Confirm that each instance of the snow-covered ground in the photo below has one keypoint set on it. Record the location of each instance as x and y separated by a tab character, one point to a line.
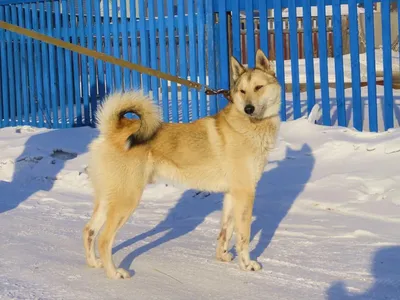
326	223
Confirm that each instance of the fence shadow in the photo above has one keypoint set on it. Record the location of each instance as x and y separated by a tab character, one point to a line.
386	272
35	172
277	190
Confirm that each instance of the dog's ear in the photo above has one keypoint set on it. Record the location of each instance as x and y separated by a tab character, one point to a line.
263	63
237	68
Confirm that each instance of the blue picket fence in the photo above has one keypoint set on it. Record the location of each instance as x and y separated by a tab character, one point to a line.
46	86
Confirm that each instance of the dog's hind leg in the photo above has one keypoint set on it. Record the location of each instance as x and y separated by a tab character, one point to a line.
90	232
243	201
119	209
227	225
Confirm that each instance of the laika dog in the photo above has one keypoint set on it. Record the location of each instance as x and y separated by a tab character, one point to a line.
225	153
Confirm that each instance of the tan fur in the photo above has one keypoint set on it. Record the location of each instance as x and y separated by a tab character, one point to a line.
222	153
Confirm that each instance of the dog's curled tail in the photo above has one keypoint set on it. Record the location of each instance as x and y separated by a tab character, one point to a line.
111	117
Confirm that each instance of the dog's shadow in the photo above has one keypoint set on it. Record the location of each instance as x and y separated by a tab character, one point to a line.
276	192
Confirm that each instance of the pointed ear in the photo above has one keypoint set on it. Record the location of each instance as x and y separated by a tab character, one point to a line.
263	63
237	68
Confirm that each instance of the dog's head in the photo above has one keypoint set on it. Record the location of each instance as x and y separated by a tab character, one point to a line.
256	92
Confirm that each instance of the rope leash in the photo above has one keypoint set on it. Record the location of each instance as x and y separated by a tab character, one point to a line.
111	59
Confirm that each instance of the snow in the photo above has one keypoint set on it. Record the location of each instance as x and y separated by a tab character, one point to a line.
325	223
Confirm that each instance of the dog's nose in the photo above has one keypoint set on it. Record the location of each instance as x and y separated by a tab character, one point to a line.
249	109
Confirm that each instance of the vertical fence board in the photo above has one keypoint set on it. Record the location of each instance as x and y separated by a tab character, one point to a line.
4	73
24	67
92	66
371	69
263	26
75	61
125	50
172	61
211	70
134	44
144	57
202	60
163	61
280	66
387	64
45	60
107	34
355	65
17	65
116	44
250	33
99	48
309	55
193	58
223	52
68	64
294	56
339	72
153	49
10	69
31	71
182	59
53	71
323	60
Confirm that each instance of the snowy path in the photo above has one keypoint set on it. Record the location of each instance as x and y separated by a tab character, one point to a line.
326	224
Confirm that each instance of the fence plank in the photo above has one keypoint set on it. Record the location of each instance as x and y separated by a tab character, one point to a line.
309	54
339	72
193	58
134	45
280	66
4	73
251	57
163	61
387	65
45	60
153	49
68	65
182	26
53	62
294	56
355	65
264	26
236	30
10	69
125	50
371	69
24	67
172	61
107	34
92	67
144	58
323	60
223	53
211	54
75	60
116	43
84	64
31	71
99	48
17	65
201	51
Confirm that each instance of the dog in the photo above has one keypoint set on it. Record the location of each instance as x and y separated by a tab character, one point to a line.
224	153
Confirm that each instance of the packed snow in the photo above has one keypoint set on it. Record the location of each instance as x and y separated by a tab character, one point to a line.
326	223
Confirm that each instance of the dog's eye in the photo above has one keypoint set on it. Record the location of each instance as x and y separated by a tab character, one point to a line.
243	91
258	87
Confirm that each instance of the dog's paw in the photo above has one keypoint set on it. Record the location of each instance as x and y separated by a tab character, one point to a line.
97	263
251	266
225	256
119	274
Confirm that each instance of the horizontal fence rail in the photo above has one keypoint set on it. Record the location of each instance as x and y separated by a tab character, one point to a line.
323	51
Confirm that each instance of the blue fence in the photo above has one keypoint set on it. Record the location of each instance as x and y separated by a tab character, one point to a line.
45	86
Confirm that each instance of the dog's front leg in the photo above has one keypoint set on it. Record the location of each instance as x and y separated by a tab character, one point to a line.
227	225
243	201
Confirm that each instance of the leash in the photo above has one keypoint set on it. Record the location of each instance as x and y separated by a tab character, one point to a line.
111	59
